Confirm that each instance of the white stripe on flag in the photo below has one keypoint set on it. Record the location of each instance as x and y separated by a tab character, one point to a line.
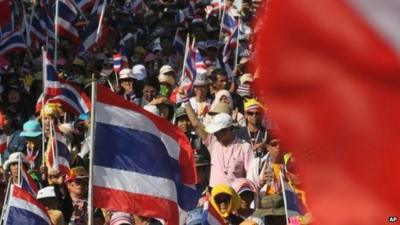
143	184
126	118
25	205
383	16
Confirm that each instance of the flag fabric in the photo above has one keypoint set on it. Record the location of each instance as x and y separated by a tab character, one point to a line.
46	21
58	156
13	42
68	15
23	208
334	88
8	28
146	149
228	22
5	16
84	4
3	141
210	214
189	71
27	183
293	204
230	45
117	59
201	66
73	99
179	43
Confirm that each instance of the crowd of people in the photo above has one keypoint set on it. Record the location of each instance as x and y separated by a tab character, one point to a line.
238	155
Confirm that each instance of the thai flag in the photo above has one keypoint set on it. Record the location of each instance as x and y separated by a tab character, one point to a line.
13	42
7	29
23	208
124	51
88	35
210	214
137	5
228	22
3	141
135	145
27	183
67	16
179	43
51	82
84	4
201	67
46	21
230	45
293	204
117	58
189	72
215	7
58	156
37	31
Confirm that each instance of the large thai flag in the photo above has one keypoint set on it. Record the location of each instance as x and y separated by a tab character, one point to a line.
65	22
23	208
230	45
27	183
142	163
13	42
336	65
210	214
58	156
3	141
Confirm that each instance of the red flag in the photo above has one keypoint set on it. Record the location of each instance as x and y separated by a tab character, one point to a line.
5	15
331	77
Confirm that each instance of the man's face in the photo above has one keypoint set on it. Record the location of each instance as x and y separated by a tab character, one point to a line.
246	198
221	82
200	91
78	186
222	135
127	85
14	169
254	116
184	124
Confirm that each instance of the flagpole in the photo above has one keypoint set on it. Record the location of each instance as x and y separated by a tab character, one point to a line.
91	152
184	59
44	74
222	21
284	197
237	45
4	211
56	34
103	9
19	171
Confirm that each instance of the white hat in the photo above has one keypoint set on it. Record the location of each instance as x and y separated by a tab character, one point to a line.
13	158
219	122
201	79
153	109
125	74
162	78
247	77
166	68
139	72
47	192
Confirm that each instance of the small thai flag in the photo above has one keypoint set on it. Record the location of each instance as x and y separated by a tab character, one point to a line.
117	58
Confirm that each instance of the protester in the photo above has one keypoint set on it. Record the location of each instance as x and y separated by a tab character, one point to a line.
226	201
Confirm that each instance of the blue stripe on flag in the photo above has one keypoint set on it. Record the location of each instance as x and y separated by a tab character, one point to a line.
19	216
133	150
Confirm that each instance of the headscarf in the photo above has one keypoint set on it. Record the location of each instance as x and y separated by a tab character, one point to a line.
218	96
234	203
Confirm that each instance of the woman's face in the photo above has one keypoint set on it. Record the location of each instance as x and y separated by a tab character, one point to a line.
14	96
127	85
149	93
246	198
200	91
223	201
183	124
224	99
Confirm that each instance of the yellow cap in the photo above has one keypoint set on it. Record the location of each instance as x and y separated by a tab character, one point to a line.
51	109
252	104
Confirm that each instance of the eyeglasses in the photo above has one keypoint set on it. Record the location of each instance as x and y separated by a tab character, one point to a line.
219	199
254	113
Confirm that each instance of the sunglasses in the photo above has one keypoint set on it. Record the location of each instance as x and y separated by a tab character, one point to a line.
219	199
254	113
274	143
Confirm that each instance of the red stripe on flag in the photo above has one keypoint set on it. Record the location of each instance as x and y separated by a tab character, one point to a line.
138	204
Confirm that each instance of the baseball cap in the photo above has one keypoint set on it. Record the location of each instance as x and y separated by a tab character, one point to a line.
219	122
47	192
